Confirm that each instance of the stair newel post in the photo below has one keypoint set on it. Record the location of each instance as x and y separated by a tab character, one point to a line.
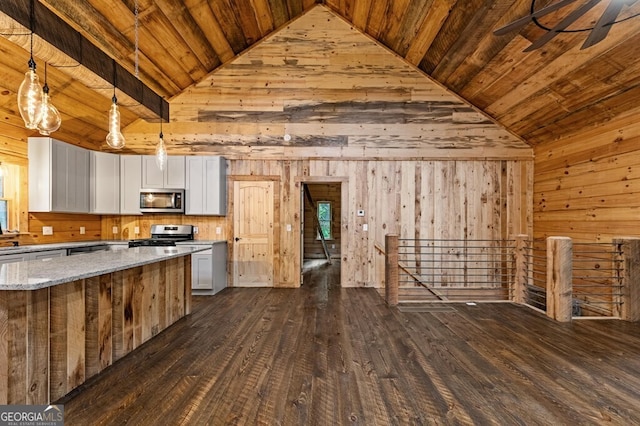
559	278
391	269
626	300
521	276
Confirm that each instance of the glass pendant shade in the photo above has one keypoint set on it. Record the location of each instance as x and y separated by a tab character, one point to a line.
115	139
30	97
50	120
161	153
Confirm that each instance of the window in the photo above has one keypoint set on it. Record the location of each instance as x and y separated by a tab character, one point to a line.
4	203
324	218
11	202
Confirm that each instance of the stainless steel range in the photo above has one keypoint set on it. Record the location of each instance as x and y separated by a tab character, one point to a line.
165	235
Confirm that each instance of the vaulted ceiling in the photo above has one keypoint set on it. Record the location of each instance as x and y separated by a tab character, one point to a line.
540	95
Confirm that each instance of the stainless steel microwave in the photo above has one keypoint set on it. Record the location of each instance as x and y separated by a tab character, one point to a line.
162	200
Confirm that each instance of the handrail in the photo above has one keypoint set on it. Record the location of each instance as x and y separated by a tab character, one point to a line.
404	267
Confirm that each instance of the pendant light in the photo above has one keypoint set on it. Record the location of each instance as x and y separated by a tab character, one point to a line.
50	120
30	92
115	139
161	150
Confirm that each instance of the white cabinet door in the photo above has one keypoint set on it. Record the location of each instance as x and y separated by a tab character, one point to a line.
219	257
194	192
104	183
202	270
206	189
58	177
173	176
130	184
152	176
79	179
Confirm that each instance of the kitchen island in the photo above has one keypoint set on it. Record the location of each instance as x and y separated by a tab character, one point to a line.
66	319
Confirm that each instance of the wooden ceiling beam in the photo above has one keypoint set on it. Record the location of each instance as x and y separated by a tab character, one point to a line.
63	39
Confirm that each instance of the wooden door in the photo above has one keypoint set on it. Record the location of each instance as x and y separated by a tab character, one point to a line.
253	233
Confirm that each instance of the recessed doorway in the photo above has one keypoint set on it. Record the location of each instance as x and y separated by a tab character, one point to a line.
321	212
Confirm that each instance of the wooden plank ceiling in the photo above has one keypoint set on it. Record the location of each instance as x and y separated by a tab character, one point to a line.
540	95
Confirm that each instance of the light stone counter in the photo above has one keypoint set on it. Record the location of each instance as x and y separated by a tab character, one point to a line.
32	248
38	274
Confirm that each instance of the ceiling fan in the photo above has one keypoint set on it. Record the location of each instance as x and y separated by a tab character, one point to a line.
597	33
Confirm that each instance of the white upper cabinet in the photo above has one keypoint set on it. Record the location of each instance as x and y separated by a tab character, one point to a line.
206	189
130	183
58	176
173	176
104	184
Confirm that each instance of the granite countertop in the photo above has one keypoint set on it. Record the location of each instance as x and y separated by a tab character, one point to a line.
32	248
37	274
200	242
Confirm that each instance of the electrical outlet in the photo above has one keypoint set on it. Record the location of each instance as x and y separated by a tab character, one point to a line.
288	227
136	230
218	230
82	230
47	230
195	229
365	227
114	230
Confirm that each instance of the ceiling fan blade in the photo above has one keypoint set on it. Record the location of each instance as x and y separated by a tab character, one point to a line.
602	27
562	25
519	23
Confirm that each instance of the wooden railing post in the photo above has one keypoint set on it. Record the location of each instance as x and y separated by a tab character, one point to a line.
391	270
521	276
627	302
559	277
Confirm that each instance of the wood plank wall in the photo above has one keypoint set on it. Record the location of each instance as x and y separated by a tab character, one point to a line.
416	199
587	186
319	88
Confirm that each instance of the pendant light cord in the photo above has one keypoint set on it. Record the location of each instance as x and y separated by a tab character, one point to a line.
114	99
136	55
161	119
32	24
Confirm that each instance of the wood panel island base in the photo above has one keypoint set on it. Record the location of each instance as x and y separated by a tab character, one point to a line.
55	334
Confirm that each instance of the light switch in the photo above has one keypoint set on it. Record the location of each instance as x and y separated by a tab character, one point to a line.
114	230
82	230
218	230
365	227
136	230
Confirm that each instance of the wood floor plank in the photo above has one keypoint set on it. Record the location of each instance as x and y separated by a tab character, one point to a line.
326	355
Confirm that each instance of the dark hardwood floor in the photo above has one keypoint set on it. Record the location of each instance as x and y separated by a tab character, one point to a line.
322	355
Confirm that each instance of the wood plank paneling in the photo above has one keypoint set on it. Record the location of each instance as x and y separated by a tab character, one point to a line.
455	199
326	86
53	339
588	184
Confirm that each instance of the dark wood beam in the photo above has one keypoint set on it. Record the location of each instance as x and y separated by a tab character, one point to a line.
61	36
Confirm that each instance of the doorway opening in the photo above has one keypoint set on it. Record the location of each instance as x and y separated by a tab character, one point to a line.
321	236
